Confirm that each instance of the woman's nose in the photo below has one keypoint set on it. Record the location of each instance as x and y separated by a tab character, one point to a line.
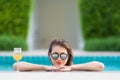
59	58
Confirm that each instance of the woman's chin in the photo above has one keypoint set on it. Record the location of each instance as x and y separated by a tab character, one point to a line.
59	65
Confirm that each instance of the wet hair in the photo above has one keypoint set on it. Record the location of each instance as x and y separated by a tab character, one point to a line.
64	44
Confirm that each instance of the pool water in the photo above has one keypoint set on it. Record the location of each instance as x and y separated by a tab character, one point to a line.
111	63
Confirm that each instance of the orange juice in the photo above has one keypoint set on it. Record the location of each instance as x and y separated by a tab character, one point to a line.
17	57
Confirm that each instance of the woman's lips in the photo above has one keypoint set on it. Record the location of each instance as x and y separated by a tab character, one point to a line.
58	63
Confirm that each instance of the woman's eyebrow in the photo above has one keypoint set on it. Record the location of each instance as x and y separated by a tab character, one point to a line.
63	52
55	52
60	52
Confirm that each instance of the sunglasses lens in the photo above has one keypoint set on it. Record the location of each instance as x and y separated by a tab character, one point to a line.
55	56
64	56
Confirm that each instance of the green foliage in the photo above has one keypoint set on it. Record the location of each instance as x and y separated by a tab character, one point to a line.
14	21
103	44
8	43
14	17
100	18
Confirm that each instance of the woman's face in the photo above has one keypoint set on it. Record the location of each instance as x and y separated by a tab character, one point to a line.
61	60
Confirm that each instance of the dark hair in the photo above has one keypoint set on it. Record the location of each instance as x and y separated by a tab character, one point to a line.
66	45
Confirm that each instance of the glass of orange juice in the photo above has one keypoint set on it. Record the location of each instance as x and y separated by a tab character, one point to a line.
17	55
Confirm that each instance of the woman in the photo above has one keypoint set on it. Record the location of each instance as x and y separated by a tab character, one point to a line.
61	55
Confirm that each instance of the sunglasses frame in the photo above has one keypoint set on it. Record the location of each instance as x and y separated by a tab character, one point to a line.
59	55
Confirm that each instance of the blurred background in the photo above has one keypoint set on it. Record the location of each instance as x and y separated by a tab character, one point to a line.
89	25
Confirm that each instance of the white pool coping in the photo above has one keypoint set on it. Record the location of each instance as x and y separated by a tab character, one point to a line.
81	75
75	53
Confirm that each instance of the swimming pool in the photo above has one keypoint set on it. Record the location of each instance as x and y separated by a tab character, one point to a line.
111	62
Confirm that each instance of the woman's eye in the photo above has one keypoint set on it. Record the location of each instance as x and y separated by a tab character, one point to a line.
63	56
54	55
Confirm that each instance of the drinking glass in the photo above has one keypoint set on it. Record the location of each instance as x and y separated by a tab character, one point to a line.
17	55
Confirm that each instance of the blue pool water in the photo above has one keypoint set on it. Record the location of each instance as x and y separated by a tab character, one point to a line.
112	63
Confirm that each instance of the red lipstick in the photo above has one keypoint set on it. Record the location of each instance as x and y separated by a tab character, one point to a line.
58	63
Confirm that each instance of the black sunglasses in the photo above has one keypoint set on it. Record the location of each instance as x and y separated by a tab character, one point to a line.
56	55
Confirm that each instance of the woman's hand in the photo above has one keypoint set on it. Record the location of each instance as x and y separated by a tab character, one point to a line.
52	68
65	69
58	69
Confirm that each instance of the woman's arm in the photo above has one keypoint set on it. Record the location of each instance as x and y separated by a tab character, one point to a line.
25	66
90	66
